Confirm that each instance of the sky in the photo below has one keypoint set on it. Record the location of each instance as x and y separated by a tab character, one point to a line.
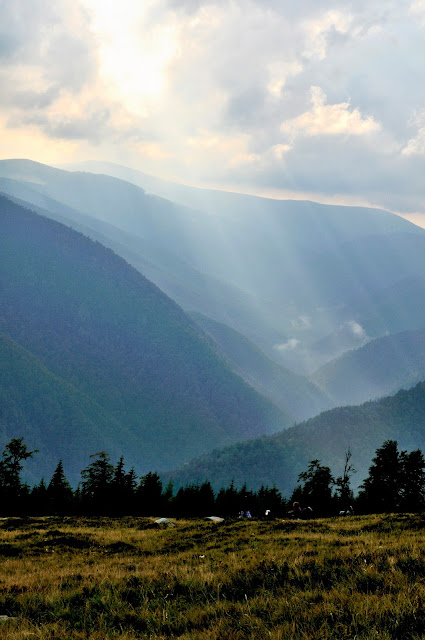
314	99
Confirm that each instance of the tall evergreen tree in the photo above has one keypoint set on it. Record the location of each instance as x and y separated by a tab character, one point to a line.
96	483
59	491
315	489
412	489
149	494
123	489
228	501
380	491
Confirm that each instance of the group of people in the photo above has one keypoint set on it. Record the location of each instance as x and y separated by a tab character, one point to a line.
300	513
297	512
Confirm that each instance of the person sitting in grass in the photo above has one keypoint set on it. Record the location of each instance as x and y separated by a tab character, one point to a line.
296	510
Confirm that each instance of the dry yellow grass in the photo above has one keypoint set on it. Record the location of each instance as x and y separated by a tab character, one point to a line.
359	578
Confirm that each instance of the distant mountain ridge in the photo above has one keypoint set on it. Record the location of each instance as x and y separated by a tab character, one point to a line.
296	269
379	368
88	319
278	459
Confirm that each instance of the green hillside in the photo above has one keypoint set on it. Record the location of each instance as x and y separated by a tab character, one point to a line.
96	323
278	459
57	418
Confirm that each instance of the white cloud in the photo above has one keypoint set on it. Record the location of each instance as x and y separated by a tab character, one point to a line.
329	119
322	98
417	9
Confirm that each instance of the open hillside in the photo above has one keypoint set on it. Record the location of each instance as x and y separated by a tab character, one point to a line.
91	324
278	459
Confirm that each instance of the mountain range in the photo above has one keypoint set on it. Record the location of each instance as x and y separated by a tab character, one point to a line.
278	459
163	321
88	340
286	274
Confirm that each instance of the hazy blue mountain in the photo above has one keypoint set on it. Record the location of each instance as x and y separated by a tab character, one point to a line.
298	268
302	218
394	308
278	459
187	286
94	322
377	369
286	389
164	241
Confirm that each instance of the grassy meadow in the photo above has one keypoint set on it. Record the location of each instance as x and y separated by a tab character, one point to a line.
358	577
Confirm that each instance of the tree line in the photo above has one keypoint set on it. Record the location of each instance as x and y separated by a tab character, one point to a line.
396	482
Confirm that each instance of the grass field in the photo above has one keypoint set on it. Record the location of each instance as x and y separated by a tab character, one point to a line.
357	578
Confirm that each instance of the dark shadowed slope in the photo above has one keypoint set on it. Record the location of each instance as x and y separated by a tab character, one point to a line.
99	325
53	416
278	459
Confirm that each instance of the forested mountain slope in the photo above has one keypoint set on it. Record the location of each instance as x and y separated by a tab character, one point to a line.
94	322
278	459
300	270
377	369
53	415
285	388
166	242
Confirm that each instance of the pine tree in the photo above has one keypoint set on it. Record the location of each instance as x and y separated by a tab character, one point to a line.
228	501
344	494
412	481
59	492
380	491
149	494
96	484
123	489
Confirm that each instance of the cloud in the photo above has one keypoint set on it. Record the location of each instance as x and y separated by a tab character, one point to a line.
325	99
356	330
329	119
291	345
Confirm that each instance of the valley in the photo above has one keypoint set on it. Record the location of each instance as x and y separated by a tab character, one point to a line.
167	324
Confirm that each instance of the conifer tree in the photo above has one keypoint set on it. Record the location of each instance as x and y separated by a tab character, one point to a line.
96	483
380	491
149	494
412	489
59	491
